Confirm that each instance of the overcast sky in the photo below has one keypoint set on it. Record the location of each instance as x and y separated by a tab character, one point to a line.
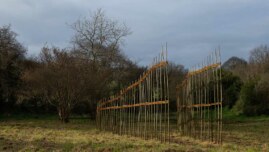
191	28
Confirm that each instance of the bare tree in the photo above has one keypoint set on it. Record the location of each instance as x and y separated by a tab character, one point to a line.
259	60
99	37
259	55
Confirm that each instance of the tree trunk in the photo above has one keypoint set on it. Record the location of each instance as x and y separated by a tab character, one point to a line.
64	113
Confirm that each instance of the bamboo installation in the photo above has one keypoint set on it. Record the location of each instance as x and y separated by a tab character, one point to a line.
142	108
199	102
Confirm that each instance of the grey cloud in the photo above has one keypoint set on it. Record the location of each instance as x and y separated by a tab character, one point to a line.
192	28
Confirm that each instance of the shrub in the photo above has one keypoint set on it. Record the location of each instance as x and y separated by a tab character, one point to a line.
231	88
254	97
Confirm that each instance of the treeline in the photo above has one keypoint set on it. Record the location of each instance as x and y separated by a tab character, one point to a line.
70	80
246	83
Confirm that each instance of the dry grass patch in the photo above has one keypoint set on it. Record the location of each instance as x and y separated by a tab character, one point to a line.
82	135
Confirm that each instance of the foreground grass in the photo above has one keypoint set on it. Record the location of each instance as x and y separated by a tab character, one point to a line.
48	134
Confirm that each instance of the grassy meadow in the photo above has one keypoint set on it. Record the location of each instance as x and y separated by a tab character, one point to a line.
46	133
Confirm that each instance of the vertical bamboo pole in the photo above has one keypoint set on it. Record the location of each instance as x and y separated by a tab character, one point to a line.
132	109
119	113
208	99
160	106
133	94
167	87
217	98
193	101
163	98
221	98
148	107
154	99
203	100
123	113
139	109
214	99
151	107
144	112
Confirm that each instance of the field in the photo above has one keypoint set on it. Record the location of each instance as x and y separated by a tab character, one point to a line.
48	134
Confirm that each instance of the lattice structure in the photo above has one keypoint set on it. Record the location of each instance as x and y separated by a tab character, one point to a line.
141	109
199	102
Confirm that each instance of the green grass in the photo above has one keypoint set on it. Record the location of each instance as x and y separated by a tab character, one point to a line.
46	133
231	116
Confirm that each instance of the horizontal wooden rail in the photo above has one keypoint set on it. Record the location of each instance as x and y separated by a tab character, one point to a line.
136	105
184	82
212	66
200	105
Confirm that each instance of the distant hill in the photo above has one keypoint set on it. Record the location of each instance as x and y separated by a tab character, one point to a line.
233	62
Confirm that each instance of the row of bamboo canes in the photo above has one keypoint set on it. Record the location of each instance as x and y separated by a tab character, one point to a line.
199	101
142	108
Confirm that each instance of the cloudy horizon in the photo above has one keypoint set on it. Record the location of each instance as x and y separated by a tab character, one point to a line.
191	28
